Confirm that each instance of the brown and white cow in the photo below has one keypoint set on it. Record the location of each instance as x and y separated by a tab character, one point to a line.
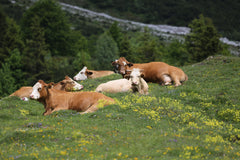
156	72
91	74
135	83
66	85
55	100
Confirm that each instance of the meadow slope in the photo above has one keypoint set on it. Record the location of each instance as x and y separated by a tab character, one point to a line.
198	120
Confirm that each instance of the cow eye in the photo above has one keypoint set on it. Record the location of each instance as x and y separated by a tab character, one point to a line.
81	72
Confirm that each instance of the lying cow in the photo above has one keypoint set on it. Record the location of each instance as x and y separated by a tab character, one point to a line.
66	85
135	83
156	72
55	100
91	74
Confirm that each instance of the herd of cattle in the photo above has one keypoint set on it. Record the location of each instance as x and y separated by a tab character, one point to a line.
58	96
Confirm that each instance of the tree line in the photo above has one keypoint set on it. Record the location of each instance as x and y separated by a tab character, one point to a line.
45	45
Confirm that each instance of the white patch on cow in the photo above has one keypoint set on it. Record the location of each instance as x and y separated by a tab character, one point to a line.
24	99
124	63
76	86
35	93
81	75
167	80
135	76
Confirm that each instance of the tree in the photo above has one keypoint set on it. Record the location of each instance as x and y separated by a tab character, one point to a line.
54	24
10	38
11	74
125	47
203	39
82	59
106	51
116	34
35	52
6	76
146	48
3	30
15	64
177	54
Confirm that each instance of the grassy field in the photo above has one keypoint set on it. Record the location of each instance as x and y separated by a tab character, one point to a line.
199	120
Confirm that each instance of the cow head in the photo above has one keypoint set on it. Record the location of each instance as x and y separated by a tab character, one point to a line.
122	65
135	76
68	84
40	90
115	66
82	75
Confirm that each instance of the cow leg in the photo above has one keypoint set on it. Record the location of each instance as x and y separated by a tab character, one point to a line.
91	109
165	79
47	111
176	80
50	110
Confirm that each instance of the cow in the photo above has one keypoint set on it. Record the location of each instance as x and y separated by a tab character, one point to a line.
91	74
135	83
55	100
67	85
156	72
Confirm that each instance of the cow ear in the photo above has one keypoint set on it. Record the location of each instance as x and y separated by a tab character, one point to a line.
67	77
50	85
89	72
130	64
127	76
62	82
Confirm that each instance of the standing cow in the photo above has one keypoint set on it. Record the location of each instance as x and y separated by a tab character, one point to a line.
156	72
55	100
91	74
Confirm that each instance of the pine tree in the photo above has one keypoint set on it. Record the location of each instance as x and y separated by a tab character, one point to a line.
203	39
55	25
15	64
116	34
7	81
35	52
125	47
106	52
10	38
146	49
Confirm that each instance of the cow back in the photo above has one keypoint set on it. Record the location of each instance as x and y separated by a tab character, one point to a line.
151	71
98	74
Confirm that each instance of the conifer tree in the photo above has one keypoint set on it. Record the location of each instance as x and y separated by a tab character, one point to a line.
203	39
55	25
35	52
10	38
6	76
11	73
146	49
106	52
116	34
125	47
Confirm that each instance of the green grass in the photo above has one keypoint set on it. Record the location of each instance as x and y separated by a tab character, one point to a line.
199	120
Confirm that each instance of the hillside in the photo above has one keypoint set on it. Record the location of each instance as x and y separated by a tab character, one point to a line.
83	17
198	120
225	15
